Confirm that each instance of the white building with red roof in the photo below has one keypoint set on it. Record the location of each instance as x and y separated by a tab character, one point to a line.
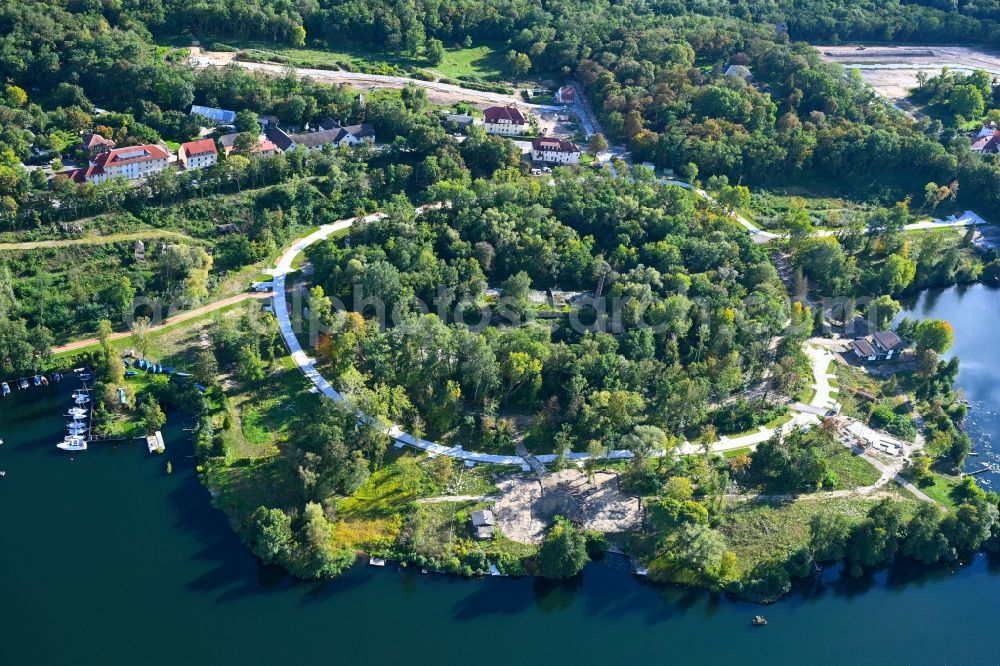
566	95
263	148
505	120
987	144
987	130
131	163
556	151
198	154
94	143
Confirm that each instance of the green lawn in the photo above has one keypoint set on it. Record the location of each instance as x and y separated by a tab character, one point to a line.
758	531
142	234
768	207
482	62
778	421
477	62
168	344
239	489
852	471
940	490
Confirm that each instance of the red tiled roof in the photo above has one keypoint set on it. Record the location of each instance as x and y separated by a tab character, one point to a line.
495	114
554	145
201	147
91	140
988	144
115	157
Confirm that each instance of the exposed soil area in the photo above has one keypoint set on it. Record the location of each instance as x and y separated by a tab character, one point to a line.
523	512
892	70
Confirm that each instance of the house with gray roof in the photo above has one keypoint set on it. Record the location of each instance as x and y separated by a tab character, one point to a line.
880	346
483	524
331	133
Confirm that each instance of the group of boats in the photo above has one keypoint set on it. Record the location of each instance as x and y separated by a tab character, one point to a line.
77	427
148	366
26	383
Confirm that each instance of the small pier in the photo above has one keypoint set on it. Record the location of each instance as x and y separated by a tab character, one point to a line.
155	443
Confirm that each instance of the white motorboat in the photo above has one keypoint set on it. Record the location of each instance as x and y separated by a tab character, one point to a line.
82	399
5	387
73	443
77	412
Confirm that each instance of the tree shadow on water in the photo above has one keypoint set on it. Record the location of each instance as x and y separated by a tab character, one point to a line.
319	591
602	592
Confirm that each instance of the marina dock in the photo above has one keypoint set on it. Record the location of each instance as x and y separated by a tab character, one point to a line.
26	383
155	443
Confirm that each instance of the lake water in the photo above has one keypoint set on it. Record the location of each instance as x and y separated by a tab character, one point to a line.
104	559
974	312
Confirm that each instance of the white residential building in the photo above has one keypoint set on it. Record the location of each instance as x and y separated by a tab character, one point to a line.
505	120
554	151
330	134
131	163
198	154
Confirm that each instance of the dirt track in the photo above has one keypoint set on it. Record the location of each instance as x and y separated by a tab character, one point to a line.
170	321
892	70
438	93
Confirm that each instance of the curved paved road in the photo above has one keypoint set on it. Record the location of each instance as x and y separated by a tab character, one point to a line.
820	360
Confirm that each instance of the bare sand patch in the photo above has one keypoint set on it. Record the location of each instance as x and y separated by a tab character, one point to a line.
892	70
523	512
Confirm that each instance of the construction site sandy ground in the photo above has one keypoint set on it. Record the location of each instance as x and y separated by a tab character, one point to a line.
436	93
523	513
892	70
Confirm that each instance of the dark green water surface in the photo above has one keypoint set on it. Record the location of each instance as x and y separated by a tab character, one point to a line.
104	559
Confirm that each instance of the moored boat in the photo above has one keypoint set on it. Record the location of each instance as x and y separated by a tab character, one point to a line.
5	387
23	384
73	443
759	621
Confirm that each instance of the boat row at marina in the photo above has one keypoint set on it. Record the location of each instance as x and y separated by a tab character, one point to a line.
79	424
25	383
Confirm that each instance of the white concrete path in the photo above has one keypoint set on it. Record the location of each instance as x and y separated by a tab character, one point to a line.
820	358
